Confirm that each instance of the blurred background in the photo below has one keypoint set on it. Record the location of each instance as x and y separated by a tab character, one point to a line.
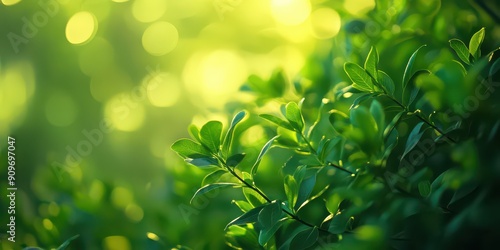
96	91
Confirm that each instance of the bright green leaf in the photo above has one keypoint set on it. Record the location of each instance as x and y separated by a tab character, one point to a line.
372	62
244	206
203	162
278	121
475	43
294	116
361	80
209	187
210	135
393	123
291	190
459	47
235	159
409	67
194	132
265	148
229	135
189	149
378	114
248	217
213	177
386	81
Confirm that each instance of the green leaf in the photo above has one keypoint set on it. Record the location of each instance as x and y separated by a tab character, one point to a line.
189	149
248	217
495	67
461	50
305	190
360	99
475	43
209	187
413	139
393	123
409	67
244	206
305	239
386	81
229	135
338	223
361	80
269	219
194	132
265	148
411	92
424	188
294	116
372	62
210	135
213	177
278	121
462	192
66	243
253	197
291	190
204	162
235	159
378	114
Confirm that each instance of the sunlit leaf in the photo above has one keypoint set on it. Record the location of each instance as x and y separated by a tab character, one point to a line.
294	116
248	217
189	149
263	151
194	132
203	162
278	121
409	67
475	43
461	50
209	187
291	190
361	80
235	159
386	81
213	177
244	206
229	135
210	135
372	62
360	99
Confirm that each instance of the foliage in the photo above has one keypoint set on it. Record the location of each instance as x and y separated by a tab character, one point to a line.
351	177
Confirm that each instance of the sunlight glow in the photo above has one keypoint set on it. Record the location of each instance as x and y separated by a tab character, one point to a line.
359	7
116	242
10	2
81	27
124	112
325	23
290	12
160	38
148	10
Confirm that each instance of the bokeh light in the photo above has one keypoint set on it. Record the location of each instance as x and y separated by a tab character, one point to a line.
148	10
125	112
116	242
81	27
325	23
10	2
163	90
160	38
290	12
359	7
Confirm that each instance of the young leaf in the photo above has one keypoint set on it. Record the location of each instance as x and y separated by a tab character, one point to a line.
203	162
361	80
291	190
475	43
461	50
386	81
294	116
248	217
305	239
189	149
265	148
413	139
372	62
278	121
194	132
229	135
213	177
409	67
210	135
235	159
209	187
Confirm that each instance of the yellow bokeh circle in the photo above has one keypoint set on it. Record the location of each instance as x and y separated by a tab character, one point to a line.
81	27
290	12
325	23
160	38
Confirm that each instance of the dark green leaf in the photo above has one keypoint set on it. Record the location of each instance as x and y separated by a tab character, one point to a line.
291	190
253	197
266	233
372	62
378	114
409	67
270	214
391	142
495	67
386	81
204	162
461	50
413	138
235	159
361	80
411	91
278	121
210	135
424	188
189	149
265	148
462	192
305	239
475	43
360	99
248	217
294	116
213	177
338	223
66	243
209	187
229	135
306	187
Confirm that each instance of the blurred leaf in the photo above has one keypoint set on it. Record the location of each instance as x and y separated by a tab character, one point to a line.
248	217
194	132
475	43
393	123
204	162
189	149
278	121
409	67
372	62
411	91
461	50
253	197
462	192
495	67
339	120
294	116
424	188
305	239
361	80
243	205
378	114
291	190
338	224
386	81
360	99
226	145
413	138
67	242
209	187
264	150
210	135
235	159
